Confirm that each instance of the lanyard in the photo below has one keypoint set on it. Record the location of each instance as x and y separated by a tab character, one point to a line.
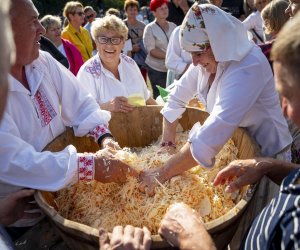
163	31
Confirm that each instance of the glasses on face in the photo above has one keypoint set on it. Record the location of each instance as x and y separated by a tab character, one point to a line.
89	16
112	40
80	13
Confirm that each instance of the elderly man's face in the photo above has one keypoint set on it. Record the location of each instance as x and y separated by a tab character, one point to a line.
293	8
288	88
27	31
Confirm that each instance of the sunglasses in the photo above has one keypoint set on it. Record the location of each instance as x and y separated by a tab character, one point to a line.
112	40
79	13
89	16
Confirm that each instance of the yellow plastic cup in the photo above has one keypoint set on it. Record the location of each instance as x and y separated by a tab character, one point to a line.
136	100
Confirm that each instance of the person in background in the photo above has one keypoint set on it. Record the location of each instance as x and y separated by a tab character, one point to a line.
47	45
177	10
254	24
112	77
177	59
274	17
128	44
235	8
156	38
52	25
44	98
135	34
74	32
249	7
90	16
293	8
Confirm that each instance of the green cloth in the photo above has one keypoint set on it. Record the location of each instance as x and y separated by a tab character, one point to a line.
164	93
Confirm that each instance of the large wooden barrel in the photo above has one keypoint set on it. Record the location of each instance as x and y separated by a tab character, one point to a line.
137	129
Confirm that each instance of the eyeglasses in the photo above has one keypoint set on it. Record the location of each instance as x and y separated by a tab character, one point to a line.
79	13
112	40
89	16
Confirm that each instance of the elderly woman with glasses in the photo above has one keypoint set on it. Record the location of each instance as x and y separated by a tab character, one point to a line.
74	32
110	76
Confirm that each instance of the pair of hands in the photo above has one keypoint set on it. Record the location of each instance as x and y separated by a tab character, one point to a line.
118	104
15	205
236	175
181	227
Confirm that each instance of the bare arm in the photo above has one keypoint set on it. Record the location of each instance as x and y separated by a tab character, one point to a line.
158	53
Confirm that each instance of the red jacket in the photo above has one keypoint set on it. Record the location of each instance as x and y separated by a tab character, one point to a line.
73	55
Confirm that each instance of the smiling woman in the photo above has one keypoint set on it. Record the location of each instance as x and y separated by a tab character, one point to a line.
110	76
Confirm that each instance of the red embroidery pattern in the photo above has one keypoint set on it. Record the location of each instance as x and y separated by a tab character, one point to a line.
99	131
44	109
86	168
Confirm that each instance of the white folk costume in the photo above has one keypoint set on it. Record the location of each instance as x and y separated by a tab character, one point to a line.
242	94
104	86
34	118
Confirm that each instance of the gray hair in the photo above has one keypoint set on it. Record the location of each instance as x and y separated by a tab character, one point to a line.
49	20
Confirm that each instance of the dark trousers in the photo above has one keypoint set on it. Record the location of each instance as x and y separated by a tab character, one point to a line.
157	78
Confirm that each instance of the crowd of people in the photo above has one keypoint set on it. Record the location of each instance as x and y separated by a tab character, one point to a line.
241	63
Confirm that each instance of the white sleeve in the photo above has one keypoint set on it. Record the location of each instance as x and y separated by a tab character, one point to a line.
148	38
22	165
174	61
185	88
249	22
238	93
78	108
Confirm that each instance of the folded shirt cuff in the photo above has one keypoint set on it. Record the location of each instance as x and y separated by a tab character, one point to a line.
204	155
86	167
99	131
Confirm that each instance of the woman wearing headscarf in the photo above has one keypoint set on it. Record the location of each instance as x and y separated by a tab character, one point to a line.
234	80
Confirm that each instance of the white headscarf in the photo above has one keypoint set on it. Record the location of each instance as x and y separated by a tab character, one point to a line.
206	25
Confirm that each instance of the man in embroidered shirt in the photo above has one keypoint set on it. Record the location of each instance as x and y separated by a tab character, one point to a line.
43	99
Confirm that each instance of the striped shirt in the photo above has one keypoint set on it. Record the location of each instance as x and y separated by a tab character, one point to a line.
278	225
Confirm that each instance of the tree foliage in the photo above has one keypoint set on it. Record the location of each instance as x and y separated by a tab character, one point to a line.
55	7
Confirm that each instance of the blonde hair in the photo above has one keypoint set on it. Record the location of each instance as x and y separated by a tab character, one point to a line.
112	11
274	15
49	20
109	23
286	48
70	8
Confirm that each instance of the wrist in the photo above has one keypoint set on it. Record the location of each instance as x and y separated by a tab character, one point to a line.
168	144
263	164
98	132
102	140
